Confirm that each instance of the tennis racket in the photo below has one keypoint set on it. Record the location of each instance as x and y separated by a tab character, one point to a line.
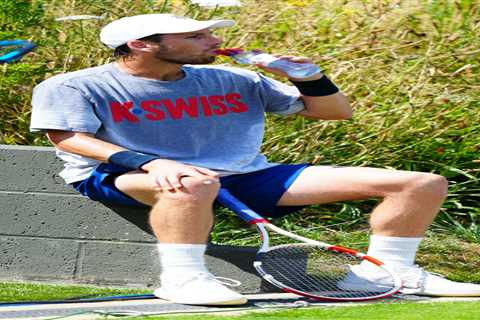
312	268
15	49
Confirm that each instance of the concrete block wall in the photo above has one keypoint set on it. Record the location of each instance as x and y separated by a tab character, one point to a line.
48	232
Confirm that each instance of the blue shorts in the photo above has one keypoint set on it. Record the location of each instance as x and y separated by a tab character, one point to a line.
260	190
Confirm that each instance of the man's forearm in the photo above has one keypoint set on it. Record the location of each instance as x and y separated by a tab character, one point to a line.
332	107
322	99
83	144
86	145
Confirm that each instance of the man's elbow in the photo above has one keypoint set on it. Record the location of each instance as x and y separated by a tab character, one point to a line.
56	136
344	109
340	116
346	114
333	107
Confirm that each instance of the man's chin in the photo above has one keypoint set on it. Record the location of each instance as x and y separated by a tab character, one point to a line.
203	61
198	60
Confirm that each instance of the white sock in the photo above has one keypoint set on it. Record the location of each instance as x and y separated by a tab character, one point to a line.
394	251
182	258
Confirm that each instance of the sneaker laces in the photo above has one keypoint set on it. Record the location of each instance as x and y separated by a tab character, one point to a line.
414	276
229	282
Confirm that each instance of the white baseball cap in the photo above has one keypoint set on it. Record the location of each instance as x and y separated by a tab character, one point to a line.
121	31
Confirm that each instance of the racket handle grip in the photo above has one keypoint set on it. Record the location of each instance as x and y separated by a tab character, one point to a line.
26	46
238	207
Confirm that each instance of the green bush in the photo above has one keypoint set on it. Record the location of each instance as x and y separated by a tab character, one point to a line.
18	17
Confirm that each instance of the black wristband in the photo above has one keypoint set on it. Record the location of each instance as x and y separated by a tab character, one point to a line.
131	159
316	88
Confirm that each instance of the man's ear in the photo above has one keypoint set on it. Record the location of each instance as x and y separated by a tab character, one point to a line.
138	45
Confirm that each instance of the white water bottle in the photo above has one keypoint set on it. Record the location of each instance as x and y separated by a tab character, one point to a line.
293	69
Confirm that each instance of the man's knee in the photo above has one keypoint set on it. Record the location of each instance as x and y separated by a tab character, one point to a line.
193	190
429	184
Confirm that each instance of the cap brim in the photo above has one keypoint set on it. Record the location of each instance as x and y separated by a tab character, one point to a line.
223	24
200	25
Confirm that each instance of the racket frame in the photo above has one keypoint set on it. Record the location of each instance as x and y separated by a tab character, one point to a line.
252	218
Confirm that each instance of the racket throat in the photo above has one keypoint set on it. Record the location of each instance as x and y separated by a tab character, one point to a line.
264	237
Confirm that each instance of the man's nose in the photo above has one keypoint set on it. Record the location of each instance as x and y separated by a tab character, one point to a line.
216	40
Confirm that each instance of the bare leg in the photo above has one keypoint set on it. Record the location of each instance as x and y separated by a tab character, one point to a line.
180	216
410	202
181	220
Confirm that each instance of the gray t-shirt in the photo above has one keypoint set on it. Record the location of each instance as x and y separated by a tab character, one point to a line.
212	118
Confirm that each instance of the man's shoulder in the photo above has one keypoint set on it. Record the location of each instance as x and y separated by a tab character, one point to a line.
87	74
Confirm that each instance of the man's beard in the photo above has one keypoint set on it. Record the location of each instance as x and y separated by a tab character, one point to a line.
191	60
164	55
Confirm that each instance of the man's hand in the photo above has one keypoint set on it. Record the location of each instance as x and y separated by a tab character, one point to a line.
168	174
292	59
329	107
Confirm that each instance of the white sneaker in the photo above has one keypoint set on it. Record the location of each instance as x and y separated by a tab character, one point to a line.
415	281
362	279
197	289
420	282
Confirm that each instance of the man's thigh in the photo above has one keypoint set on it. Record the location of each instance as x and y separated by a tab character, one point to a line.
326	184
137	185
143	188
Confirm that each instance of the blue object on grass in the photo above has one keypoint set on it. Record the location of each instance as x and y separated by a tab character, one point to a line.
20	48
80	300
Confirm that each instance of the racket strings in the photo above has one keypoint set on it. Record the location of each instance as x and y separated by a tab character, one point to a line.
319	272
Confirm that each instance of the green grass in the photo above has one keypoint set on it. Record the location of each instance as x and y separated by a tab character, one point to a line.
410	69
17	292
391	310
377	311
388	311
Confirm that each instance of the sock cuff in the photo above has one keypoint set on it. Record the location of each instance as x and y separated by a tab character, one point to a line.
176	246
181	258
394	250
395	239
179	250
